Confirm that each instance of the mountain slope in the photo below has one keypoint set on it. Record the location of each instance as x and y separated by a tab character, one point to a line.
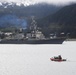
64	20
23	13
66	15
38	10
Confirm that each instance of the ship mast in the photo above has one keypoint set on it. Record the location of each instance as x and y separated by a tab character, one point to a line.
33	26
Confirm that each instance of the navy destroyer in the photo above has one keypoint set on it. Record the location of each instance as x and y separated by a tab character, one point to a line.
35	36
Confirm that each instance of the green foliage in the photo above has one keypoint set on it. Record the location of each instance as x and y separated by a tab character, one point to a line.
8	29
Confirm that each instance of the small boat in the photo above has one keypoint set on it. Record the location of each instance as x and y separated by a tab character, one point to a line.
58	60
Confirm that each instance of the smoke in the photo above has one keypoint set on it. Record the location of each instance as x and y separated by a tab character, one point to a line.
13	20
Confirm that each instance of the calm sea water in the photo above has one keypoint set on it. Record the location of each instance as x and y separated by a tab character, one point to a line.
35	59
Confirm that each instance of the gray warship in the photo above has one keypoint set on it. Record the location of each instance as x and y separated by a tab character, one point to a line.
35	36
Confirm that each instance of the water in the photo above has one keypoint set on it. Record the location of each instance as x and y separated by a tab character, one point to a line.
35	59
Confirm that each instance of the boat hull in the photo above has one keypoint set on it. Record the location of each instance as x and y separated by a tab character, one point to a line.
58	60
47	41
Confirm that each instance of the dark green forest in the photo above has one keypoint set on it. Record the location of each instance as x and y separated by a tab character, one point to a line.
63	20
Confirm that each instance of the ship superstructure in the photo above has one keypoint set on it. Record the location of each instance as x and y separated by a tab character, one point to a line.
35	33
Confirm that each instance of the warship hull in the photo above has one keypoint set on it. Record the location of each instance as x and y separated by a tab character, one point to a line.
33	41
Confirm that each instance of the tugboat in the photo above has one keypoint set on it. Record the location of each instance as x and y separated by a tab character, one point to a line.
35	36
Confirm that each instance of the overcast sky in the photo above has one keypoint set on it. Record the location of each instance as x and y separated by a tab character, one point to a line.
48	1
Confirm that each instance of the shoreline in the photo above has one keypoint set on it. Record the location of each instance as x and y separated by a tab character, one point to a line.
70	40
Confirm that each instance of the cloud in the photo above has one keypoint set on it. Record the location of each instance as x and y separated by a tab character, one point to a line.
39	1
56	1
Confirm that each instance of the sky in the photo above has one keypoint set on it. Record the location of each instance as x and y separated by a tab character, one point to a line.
47	1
